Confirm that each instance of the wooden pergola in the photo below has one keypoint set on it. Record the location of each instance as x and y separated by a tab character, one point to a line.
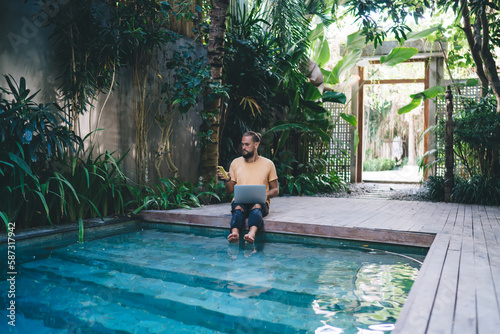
433	63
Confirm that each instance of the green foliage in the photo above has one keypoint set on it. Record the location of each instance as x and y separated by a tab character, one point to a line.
477	136
374	15
378	164
435	188
475	190
170	194
398	55
42	178
310	184
313	177
97	187
35	132
32	136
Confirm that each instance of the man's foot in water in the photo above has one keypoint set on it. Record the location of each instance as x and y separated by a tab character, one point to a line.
234	236
250	236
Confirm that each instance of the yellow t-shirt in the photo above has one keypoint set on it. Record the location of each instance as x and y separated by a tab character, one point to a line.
261	171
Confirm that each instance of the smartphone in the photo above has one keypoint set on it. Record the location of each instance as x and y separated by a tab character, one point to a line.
223	172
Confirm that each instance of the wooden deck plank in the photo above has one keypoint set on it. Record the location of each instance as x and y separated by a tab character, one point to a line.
403	220
488	312
432	225
415	315
465	320
493	250
444	304
372	213
424	218
382	216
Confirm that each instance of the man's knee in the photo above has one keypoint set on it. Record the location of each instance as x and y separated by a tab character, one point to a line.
257	206
239	208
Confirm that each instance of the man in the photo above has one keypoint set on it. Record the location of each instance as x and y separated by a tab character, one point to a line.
250	169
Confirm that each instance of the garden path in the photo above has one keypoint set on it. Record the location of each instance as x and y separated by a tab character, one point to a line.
458	287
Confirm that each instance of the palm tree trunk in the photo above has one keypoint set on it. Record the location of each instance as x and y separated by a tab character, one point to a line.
215	55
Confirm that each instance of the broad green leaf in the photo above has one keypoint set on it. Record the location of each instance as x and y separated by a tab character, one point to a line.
5	219
22	164
356	41
429	93
409	107
335	97
345	65
351	119
316	32
328	78
324	55
414	35
398	55
311	93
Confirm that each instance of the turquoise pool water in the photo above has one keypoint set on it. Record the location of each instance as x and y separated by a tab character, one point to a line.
157	281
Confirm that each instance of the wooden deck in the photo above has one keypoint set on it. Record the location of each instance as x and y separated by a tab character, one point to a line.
458	287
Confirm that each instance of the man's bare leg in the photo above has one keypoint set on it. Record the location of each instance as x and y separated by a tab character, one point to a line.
234	236
250	236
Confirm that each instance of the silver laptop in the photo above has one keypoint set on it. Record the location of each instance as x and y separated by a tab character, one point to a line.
249	194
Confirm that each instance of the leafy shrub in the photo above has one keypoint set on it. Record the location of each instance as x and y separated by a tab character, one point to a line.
310	184
42	177
378	164
97	185
476	190
476	135
168	194
32	136
435	188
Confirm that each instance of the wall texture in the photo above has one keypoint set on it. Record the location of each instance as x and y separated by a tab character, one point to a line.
26	51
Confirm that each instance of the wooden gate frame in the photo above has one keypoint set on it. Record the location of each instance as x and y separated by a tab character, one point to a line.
361	110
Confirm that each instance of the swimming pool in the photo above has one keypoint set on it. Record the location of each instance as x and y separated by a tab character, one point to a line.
175	279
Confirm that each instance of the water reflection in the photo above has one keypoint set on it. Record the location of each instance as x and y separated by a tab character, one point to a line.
377	296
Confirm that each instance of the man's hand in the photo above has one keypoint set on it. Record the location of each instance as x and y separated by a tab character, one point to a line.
221	177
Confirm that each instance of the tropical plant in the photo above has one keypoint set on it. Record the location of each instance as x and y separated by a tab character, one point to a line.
37	133
43	177
97	185
168	194
478	189
474	190
32	136
269	89
477	137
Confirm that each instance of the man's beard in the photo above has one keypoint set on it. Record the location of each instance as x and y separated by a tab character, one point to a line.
247	155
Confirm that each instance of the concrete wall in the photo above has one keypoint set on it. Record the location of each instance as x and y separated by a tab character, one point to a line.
26	50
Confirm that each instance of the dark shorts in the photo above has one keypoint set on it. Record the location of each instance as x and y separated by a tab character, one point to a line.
248	207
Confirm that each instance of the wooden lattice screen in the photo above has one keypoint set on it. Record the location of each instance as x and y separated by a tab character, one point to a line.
467	92
339	150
